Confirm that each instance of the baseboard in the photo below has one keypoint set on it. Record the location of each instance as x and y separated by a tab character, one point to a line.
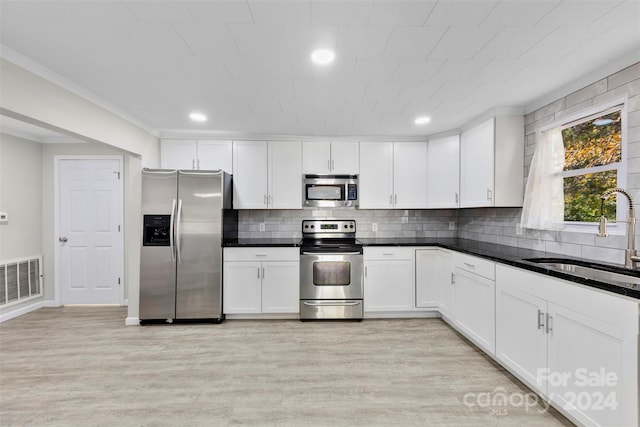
19	311
263	316
132	321
50	303
400	314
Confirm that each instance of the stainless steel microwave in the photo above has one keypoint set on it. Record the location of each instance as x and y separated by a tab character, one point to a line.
330	191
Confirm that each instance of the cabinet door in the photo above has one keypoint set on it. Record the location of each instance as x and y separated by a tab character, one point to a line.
242	292
475	308
410	175
280	287
316	157
521	340
388	286
214	155
178	154
445	284
376	175
582	346
443	172
250	175
345	158
285	175
477	166
427	277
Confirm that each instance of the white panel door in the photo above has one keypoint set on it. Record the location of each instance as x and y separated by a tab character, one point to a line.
250	173
345	158
376	175
178	154
427	277
90	240
475	308
281	287
316	157
443	172
521	338
285	175
477	166
214	155
410	175
242	290
388	286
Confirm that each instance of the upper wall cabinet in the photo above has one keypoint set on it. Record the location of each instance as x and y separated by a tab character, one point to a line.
267	175
492	163
393	175
335	158
443	172
197	155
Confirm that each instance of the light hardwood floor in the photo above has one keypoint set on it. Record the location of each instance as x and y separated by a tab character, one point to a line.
80	366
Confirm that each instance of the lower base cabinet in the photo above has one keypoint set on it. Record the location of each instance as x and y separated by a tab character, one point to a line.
576	346
388	279
261	280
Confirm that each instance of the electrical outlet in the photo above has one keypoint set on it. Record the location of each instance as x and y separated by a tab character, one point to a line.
262	227
374	226
452	225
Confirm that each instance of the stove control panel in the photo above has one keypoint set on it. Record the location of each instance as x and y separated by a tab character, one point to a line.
325	228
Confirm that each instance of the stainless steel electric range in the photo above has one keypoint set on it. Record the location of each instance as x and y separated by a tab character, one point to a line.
331	271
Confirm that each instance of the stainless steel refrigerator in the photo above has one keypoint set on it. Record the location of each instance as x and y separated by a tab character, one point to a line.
185	215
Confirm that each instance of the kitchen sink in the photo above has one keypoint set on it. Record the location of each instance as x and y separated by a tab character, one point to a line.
591	271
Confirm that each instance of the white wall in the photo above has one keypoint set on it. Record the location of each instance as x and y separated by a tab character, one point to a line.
20	197
29	97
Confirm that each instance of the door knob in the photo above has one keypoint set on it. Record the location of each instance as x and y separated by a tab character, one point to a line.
62	239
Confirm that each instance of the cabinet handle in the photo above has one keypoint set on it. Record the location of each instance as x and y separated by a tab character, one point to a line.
261	255
489	194
270	199
193	164
365	271
198	164
469	265
540	319
453	278
258	272
457	199
396	199
264	198
263	272
388	254
549	319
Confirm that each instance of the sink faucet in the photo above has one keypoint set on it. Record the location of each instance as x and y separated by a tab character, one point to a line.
631	256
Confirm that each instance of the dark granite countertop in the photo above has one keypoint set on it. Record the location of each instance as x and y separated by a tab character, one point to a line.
509	255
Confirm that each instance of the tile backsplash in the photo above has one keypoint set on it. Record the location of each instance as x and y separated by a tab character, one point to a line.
390	223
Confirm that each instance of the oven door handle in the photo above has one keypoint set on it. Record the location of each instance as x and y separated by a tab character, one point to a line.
330	303
331	253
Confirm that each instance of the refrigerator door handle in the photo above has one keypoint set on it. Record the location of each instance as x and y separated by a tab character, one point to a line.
171	229
178	217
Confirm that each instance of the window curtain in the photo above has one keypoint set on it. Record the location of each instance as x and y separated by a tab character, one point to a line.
543	207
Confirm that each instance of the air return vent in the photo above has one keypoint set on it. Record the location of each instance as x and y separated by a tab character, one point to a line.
20	280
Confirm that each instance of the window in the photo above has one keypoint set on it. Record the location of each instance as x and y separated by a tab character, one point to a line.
593	163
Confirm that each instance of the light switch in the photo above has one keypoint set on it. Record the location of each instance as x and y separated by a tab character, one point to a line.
4	218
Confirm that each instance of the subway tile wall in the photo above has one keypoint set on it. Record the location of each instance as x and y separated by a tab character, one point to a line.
498	225
390	223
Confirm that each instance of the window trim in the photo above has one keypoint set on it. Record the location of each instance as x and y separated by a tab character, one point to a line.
621	103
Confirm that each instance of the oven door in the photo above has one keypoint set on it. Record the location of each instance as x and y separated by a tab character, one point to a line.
331	275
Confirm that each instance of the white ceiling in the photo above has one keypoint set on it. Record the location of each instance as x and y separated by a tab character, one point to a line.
246	63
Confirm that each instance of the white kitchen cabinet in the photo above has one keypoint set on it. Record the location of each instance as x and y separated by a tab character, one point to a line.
492	163
428	276
335	158
443	172
575	345
197	154
445	273
474	295
261	280
393	175
267	175
388	279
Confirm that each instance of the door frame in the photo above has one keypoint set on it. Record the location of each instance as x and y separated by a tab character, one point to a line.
56	219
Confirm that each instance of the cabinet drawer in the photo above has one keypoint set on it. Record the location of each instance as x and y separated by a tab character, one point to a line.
262	254
482	267
387	253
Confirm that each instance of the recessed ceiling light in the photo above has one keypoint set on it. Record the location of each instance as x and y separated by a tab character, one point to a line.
198	117
422	120
323	56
